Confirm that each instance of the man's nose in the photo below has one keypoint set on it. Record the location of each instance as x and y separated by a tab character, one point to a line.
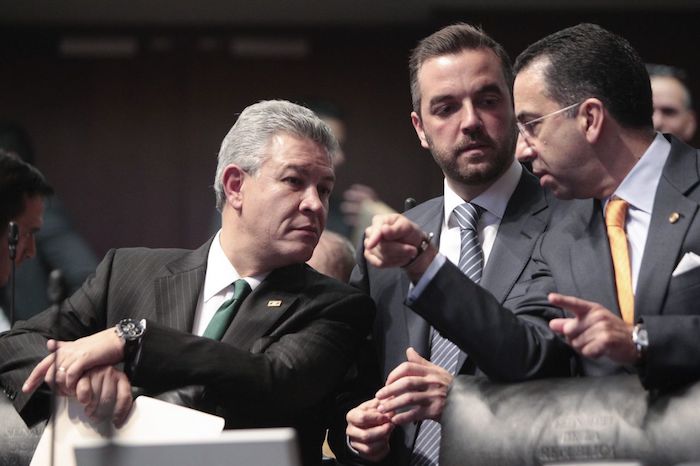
26	249
657	119
470	118
524	151
312	200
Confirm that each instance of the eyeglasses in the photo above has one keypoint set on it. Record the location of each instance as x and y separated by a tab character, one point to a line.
526	128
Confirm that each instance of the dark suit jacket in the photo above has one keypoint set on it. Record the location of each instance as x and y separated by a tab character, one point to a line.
575	255
504	345
277	365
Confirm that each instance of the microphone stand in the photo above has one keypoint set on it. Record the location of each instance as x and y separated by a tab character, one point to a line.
12	240
55	293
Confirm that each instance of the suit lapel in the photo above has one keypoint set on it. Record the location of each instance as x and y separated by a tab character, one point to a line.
429	220
177	293
524	220
591	251
265	307
665	238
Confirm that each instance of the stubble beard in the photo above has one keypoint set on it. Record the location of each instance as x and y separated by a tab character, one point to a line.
467	174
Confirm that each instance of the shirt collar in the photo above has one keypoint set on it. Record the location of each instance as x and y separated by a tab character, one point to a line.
221	273
494	199
638	188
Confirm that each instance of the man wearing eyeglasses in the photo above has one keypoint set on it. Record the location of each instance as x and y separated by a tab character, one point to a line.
624	261
422	268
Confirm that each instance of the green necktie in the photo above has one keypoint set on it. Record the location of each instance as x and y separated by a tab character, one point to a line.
224	315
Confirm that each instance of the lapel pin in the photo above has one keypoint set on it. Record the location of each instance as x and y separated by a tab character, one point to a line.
673	218
274	303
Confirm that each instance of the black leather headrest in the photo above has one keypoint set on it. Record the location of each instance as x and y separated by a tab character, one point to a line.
568	421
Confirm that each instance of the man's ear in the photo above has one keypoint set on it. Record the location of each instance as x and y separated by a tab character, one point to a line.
418	126
233	179
592	116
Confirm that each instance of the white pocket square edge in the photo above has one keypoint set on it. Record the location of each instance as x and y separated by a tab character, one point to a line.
688	262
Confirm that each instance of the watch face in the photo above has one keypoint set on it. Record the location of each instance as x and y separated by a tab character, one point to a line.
642	337
130	329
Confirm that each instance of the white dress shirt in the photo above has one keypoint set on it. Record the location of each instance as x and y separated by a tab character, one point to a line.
218	285
494	202
638	188
4	321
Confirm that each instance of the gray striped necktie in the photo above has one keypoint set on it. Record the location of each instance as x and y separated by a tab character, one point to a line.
443	352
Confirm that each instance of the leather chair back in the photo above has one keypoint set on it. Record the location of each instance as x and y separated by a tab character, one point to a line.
17	442
568	421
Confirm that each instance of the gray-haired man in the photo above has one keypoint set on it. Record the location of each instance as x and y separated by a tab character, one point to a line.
285	349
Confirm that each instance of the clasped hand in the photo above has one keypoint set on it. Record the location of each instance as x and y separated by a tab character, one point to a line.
84	368
393	241
415	390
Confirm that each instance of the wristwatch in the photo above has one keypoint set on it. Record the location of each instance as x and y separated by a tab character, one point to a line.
640	338
420	249
131	332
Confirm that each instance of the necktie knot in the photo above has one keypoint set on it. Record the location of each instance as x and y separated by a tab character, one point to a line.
616	213
241	288
224	315
467	215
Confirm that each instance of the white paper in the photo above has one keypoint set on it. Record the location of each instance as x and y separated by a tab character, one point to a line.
149	420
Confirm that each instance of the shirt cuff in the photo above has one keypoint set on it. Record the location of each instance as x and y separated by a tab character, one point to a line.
347	443
416	290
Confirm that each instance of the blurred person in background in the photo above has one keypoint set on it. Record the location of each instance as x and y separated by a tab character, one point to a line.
22	193
58	244
673	104
351	212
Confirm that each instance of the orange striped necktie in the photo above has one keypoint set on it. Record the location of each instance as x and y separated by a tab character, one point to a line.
615	214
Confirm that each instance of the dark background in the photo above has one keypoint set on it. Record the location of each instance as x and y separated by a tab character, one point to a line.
128	135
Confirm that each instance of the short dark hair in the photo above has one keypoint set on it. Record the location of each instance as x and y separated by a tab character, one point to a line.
667	71
588	61
18	181
450	40
14	138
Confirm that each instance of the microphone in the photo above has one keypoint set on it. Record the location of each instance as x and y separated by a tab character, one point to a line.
55	292
12	241
409	204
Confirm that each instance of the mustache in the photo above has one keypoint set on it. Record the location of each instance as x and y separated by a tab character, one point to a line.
474	138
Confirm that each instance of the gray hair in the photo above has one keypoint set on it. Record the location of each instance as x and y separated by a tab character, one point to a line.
246	142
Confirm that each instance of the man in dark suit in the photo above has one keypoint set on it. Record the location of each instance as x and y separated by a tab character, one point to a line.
22	192
463	113
58	244
588	125
288	345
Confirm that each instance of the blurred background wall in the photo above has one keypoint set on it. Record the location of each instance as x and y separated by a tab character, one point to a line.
127	101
